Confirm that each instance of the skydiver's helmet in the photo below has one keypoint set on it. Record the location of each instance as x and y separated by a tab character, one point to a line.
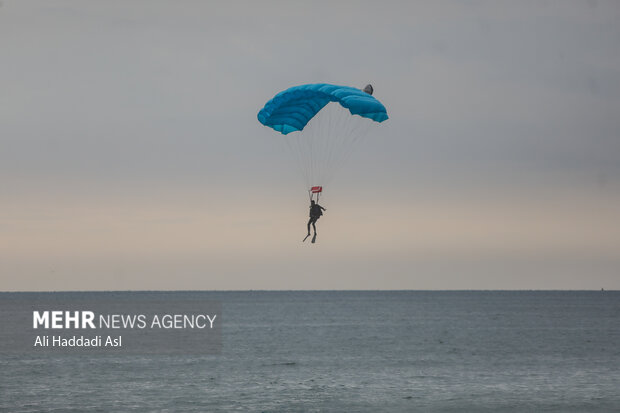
368	89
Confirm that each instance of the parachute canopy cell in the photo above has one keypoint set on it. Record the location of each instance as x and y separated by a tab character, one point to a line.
291	109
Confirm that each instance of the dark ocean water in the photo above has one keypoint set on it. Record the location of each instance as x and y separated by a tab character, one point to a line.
338	351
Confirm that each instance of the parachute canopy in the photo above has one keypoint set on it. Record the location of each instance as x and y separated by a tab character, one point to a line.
328	122
291	109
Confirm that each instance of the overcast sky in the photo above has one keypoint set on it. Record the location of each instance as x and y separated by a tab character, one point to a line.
131	157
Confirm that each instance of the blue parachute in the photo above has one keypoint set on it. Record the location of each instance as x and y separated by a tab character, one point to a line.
291	109
328	121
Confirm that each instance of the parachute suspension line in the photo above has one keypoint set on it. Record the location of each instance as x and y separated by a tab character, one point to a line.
319	132
294	148
339	126
322	141
357	131
326	143
347	130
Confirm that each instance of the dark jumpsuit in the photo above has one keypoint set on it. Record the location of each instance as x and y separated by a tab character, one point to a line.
315	213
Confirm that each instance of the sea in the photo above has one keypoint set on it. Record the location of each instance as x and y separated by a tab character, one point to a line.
352	351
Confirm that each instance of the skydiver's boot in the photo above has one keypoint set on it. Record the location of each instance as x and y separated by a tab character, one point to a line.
314	238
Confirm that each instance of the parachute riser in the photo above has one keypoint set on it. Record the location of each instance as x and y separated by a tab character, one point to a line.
311	194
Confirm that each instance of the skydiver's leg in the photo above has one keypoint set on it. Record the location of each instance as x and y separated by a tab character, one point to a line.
309	222
313	226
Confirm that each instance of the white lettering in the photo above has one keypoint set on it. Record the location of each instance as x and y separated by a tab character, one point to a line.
87	319
37	319
57	319
75	319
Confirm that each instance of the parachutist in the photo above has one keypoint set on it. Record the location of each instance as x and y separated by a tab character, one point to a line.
322	145
316	211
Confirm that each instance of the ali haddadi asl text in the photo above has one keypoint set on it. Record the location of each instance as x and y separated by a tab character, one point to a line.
78	341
